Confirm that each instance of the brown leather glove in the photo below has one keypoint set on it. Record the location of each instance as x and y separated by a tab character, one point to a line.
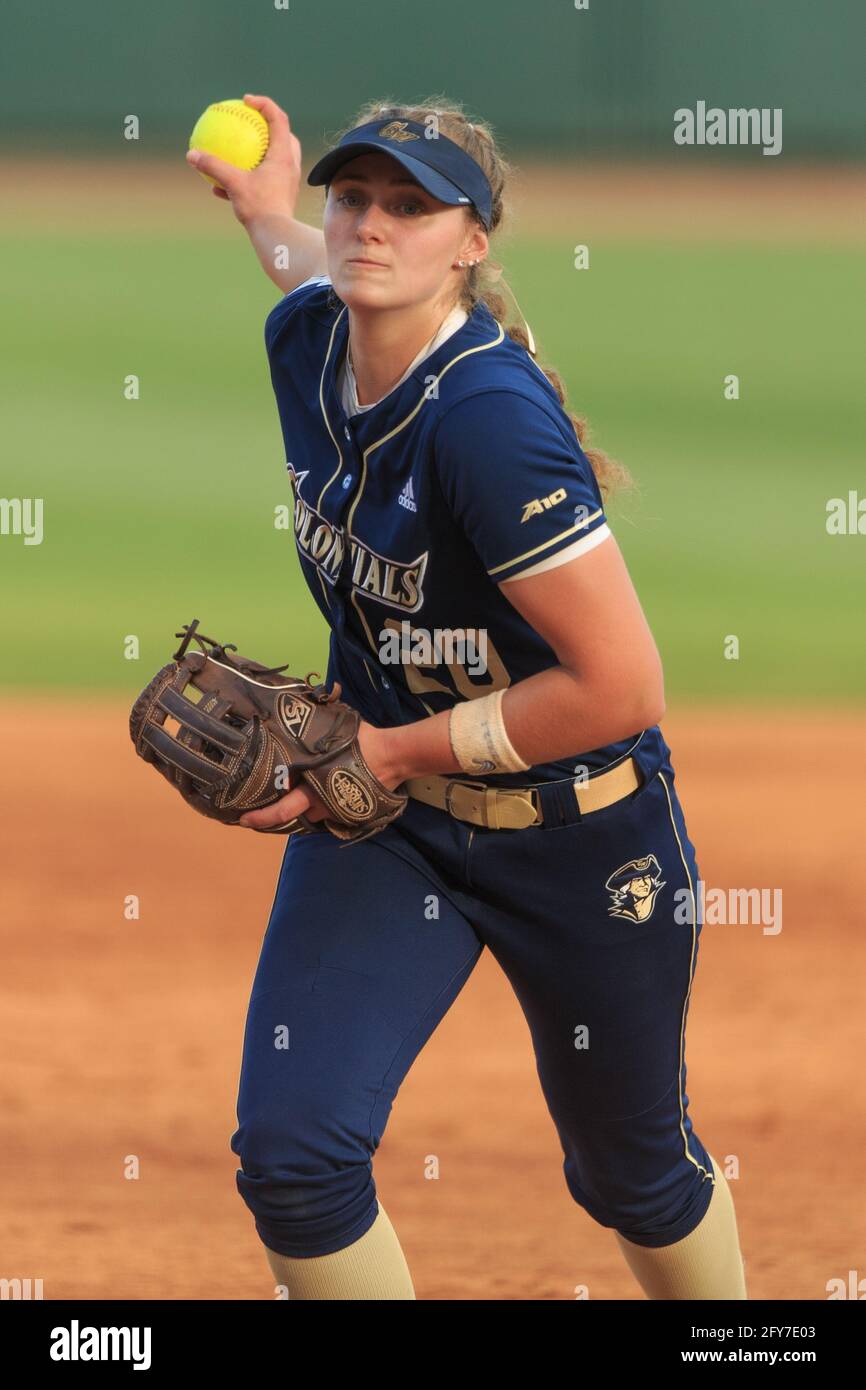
251	735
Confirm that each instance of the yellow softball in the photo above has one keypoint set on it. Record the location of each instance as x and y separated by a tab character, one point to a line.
232	131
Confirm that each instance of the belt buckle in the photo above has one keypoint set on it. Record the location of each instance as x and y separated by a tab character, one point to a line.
462	785
485	800
522	796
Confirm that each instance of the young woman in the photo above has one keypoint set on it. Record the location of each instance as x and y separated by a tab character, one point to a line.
451	528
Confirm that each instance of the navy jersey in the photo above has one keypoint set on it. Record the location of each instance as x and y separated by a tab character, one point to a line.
409	515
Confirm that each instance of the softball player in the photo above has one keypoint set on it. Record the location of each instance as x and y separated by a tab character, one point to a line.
452	531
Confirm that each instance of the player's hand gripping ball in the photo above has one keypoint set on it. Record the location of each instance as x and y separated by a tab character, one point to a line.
232	131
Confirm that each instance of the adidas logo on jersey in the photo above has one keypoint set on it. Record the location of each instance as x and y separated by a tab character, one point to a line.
407	498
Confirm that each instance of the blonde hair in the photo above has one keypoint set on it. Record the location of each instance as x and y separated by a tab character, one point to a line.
477	139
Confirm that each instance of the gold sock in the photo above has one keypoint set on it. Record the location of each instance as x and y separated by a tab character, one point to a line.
706	1264
373	1267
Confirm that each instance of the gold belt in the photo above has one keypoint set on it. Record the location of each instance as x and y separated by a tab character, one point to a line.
515	808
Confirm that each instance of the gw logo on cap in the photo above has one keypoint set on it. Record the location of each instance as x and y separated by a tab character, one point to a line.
396	130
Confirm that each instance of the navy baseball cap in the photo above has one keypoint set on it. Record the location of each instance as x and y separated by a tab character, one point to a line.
439	164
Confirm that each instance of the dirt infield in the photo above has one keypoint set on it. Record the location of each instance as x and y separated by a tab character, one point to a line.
580	199
123	1037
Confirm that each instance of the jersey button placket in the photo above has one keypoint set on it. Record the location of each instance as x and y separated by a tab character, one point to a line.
349	477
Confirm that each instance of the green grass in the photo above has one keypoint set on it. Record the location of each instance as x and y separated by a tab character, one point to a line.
161	509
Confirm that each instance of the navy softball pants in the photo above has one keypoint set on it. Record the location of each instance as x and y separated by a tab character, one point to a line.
368	945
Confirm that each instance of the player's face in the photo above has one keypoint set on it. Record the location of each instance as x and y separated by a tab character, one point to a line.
389	242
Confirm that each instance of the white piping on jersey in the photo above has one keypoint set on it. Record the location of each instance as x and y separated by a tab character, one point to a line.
570	553
333	440
371	448
347	386
482	347
419	562
679	1077
325	413
561	557
578	526
426	395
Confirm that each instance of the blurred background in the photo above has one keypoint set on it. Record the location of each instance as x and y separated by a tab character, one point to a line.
704	262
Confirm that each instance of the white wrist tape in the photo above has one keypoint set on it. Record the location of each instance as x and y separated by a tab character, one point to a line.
478	737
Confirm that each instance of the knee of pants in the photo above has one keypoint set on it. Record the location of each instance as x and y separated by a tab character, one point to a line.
648	1201
308	1184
